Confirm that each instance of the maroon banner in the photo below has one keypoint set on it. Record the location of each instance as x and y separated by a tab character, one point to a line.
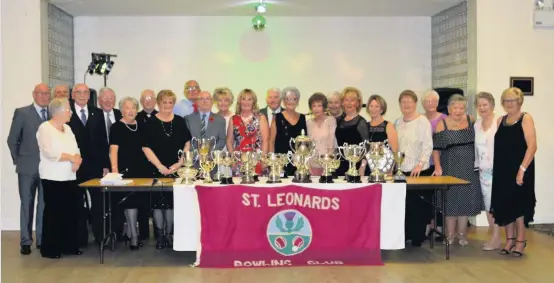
244	226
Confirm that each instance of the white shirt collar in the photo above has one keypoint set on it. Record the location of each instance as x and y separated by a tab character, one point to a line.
272	111
78	109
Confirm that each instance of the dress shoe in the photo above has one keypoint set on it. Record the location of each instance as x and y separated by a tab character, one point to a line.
25	250
51	256
38	247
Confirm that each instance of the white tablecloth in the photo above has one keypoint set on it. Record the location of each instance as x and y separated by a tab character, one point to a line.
187	214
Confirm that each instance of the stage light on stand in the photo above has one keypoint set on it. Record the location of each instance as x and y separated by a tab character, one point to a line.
101	64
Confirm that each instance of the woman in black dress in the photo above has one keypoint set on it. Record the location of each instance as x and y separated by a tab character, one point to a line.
351	127
513	176
166	134
286	125
127	158
380	130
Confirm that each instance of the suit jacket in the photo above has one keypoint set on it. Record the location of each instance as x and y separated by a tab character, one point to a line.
22	140
117	116
215	128
92	141
264	111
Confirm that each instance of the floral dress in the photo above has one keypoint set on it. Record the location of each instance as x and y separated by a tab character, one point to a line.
247	137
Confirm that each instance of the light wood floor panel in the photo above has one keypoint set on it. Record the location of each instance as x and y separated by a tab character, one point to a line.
468	264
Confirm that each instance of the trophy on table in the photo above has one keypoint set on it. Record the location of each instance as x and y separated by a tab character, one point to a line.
380	161
303	148
399	177
207	164
352	153
187	172
248	161
276	163
329	163
223	158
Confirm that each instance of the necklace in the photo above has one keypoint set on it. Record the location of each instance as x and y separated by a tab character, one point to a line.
127	125
170	128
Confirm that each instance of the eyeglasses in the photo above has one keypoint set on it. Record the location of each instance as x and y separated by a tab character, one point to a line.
510	100
78	92
192	88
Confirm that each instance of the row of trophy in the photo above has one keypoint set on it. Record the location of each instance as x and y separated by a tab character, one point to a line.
380	159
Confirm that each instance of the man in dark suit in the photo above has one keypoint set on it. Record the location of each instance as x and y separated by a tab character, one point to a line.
89	128
148	102
22	142
273	100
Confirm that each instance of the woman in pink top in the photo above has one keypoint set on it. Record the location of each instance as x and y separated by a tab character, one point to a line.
321	128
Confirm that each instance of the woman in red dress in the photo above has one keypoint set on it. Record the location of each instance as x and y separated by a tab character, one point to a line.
248	130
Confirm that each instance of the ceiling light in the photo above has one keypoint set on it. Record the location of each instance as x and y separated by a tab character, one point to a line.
261	8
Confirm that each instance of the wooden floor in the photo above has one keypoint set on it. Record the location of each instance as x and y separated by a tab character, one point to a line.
413	265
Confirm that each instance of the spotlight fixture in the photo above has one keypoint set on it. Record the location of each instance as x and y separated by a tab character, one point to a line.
261	8
101	64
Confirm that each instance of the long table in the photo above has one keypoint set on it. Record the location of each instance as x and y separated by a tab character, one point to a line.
187	223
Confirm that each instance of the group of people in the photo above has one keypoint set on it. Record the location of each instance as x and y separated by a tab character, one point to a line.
77	142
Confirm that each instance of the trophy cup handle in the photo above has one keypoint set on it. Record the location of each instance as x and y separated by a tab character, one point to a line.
180	154
289	156
341	151
291	142
236	155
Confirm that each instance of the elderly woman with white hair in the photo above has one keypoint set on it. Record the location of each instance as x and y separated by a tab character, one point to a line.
335	104
127	158
454	155
60	159
286	125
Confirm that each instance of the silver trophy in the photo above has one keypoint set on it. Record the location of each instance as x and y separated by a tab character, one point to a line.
353	153
303	149
380	160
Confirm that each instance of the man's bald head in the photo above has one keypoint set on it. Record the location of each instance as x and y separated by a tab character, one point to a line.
41	95
148	100
80	94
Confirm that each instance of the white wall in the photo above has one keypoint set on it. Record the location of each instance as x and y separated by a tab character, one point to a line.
22	70
378	55
508	45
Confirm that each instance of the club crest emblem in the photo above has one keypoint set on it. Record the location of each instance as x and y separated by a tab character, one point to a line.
289	232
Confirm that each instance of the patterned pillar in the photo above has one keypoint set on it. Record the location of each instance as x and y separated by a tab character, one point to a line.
449	41
60	47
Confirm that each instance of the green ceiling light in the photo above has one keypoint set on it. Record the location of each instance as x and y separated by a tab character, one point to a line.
258	23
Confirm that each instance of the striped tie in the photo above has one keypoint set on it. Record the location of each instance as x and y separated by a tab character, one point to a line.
203	126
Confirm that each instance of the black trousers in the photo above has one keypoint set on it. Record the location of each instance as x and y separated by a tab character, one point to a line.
59	232
419	211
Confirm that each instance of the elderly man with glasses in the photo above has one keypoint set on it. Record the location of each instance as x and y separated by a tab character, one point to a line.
188	105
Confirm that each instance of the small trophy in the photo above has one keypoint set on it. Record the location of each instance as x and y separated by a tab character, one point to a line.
187	173
303	148
276	162
399	177
327	161
353	153
248	161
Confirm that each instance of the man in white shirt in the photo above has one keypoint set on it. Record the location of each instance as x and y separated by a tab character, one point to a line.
188	105
273	100
89	127
106	101
24	149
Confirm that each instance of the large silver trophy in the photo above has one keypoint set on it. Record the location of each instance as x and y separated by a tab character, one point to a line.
225	159
276	163
303	149
187	172
353	153
380	160
248	161
329	161
207	164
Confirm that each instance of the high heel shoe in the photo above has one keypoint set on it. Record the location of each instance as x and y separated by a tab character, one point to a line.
519	253
462	240
128	241
449	239
136	246
509	250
